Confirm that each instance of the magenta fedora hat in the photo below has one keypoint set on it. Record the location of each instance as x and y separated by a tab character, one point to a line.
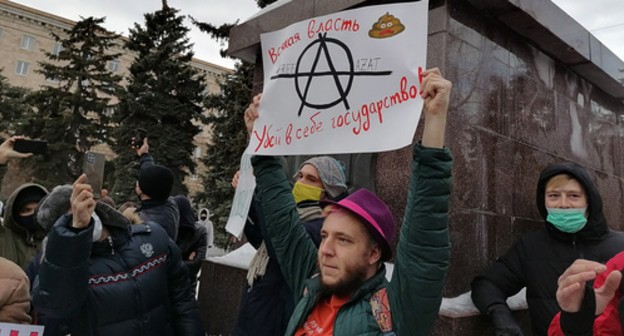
374	213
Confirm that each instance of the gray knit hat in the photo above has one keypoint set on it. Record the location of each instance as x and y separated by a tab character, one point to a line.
332	173
58	203
54	205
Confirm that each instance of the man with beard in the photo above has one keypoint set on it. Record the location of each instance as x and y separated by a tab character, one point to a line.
350	295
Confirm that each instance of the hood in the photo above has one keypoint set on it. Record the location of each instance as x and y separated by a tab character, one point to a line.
596	226
204	211
8	220
187	215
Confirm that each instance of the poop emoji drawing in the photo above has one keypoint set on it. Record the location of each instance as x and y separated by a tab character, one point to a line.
387	26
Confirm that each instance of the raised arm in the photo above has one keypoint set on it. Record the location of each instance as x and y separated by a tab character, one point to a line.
293	247
423	251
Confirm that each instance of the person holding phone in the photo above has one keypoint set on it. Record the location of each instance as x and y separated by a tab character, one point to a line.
20	234
108	277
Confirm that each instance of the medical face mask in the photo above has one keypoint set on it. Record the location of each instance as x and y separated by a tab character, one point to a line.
567	220
97	227
304	192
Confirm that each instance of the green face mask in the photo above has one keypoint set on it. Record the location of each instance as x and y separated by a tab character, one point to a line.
304	192
567	220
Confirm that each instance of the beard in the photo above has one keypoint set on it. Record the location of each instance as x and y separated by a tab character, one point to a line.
354	278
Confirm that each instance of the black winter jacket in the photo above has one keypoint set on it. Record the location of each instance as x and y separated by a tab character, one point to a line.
537	259
133	283
164	213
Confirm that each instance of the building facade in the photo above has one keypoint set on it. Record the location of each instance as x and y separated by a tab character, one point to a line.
25	37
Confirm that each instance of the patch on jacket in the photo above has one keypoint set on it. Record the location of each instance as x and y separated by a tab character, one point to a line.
97	280
147	249
381	311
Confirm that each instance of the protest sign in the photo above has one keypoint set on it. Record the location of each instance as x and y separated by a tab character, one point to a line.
11	329
348	82
242	198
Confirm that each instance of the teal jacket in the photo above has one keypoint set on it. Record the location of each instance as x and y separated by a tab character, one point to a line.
422	255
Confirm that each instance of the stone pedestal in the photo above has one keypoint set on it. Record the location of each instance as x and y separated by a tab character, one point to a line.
219	296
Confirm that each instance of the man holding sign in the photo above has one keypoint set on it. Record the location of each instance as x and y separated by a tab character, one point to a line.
350	294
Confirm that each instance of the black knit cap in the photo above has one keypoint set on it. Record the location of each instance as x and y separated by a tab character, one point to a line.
28	195
156	182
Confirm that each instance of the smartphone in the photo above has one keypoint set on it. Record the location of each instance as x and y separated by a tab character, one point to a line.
136	140
93	167
30	146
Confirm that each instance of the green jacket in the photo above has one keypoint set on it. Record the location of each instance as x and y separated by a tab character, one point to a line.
422	256
17	244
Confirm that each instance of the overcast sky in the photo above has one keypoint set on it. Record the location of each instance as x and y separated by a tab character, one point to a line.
604	18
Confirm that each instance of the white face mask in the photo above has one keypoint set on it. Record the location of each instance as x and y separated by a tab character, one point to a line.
97	227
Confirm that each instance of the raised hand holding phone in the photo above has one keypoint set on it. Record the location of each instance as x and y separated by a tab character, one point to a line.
8	152
93	168
82	203
23	145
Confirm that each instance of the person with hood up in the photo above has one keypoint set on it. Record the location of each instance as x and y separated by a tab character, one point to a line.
575	227
267	301
192	238
153	188
204	219
20	234
109	277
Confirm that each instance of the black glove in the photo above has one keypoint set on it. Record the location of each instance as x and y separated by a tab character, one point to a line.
503	321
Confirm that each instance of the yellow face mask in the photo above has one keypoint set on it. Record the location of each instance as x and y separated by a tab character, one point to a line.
303	192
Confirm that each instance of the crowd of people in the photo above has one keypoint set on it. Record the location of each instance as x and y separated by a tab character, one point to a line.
78	265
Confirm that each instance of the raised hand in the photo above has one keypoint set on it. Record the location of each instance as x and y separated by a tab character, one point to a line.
7	152
436	92
82	202
251	113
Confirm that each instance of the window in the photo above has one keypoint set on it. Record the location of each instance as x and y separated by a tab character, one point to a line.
22	68
57	48
113	66
28	42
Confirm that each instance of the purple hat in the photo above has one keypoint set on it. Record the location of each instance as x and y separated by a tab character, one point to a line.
373	212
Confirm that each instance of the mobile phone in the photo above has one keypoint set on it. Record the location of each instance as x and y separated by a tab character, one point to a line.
136	140
93	167
30	146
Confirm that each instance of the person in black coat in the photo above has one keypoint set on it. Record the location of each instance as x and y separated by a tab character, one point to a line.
112	278
192	238
153	188
574	227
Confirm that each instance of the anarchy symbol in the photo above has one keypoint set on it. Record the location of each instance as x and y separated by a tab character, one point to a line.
307	77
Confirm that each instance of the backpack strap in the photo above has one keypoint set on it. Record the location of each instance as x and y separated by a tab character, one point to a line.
381	312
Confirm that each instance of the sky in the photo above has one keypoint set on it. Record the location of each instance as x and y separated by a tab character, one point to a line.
604	18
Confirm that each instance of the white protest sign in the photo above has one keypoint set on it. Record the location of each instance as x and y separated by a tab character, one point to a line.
242	198
348	82
11	329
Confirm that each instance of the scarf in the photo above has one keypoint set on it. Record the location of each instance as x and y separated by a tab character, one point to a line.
259	262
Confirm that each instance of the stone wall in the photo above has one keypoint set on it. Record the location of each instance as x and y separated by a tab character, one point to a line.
531	88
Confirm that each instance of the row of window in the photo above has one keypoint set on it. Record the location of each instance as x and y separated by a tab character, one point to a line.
28	42
21	67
